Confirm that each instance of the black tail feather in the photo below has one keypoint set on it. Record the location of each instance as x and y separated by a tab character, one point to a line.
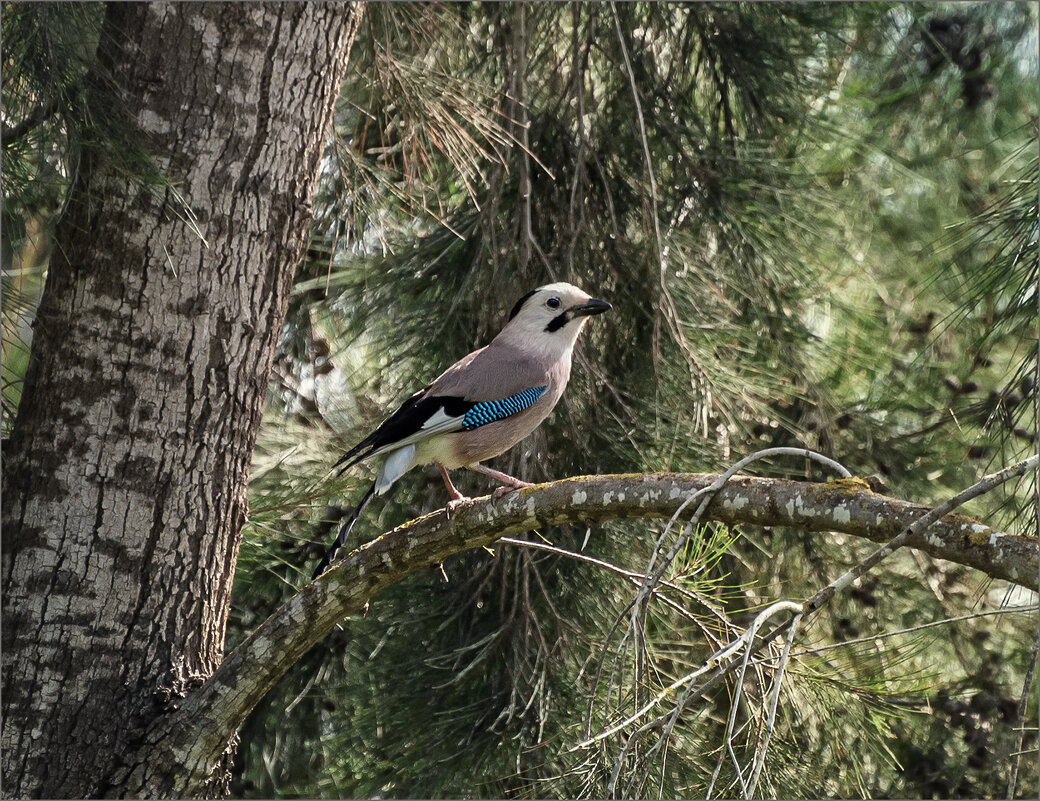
356	454
344	532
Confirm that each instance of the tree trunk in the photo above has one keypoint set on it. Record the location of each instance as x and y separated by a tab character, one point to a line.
125	480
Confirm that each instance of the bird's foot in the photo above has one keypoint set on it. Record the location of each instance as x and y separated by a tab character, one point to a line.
505	489
458	500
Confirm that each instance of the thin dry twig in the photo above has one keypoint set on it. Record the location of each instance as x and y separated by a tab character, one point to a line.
760	756
914	629
653	576
671	314
727	659
1017	753
631	575
746	640
979	488
723	654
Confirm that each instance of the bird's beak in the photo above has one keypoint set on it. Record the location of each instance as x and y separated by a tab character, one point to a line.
591	306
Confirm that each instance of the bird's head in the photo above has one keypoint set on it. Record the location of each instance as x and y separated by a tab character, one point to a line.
551	316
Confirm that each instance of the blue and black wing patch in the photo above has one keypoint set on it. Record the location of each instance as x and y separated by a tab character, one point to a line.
484	412
420	412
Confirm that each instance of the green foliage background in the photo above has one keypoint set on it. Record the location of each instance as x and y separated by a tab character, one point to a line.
818	226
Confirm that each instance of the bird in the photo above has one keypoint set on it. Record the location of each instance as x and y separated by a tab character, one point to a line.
482	405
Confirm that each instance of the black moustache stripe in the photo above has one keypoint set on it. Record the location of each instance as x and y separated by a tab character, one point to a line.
559	321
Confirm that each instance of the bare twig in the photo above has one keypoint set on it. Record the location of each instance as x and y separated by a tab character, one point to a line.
760	757
726	658
697	374
914	629
631	575
722	655
981	487
653	576
1023	702
747	640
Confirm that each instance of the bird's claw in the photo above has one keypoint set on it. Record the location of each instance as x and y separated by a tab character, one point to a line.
505	489
454	504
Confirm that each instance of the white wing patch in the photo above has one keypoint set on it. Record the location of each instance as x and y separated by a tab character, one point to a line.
439	421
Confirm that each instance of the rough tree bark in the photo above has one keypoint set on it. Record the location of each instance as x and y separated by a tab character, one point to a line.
124	482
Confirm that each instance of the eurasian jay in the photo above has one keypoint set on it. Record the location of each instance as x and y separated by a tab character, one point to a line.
483	404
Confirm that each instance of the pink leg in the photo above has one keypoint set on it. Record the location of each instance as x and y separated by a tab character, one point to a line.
456	496
508	482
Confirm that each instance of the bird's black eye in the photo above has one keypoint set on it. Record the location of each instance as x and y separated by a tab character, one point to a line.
553	303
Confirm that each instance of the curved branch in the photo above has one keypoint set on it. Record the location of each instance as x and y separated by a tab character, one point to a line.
197	731
39	115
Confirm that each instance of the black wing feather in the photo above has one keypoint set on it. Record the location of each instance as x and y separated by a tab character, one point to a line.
407	420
